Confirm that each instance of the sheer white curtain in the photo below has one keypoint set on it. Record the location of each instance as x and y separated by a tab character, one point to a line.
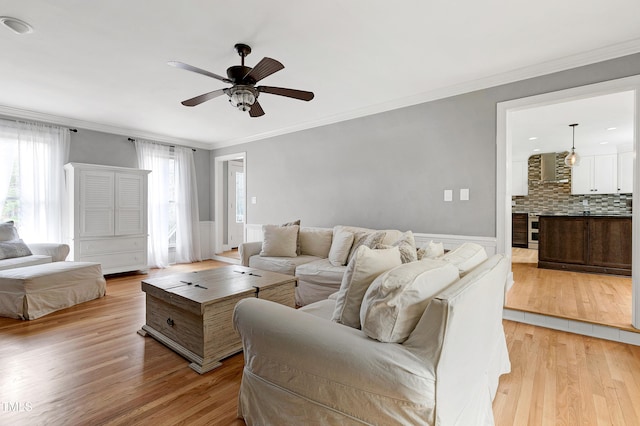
39	152
187	216
155	157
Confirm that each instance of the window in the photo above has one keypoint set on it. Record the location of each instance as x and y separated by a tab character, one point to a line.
172	217
32	157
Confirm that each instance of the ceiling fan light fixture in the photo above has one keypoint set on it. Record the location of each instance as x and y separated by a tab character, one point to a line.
572	159
242	98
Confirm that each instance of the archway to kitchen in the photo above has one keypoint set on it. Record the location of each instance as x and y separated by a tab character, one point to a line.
505	130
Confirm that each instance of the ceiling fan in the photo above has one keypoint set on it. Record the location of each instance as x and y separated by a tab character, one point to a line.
244	93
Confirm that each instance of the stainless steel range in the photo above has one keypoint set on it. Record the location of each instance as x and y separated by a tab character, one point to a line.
533	230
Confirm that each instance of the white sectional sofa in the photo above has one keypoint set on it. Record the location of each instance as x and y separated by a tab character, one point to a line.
317	262
430	349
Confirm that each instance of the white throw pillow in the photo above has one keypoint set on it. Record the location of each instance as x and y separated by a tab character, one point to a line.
315	242
466	257
396	300
431	250
280	241
340	247
365	266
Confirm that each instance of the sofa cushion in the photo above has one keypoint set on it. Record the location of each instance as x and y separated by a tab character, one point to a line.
315	242
280	241
340	246
466	257
8	231
13	248
365	266
320	272
367	239
19	262
396	300
431	250
283	265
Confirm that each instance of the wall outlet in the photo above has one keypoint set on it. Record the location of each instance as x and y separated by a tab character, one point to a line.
585	203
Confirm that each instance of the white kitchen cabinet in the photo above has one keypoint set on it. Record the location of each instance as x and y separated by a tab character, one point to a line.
107	216
625	172
596	174
520	178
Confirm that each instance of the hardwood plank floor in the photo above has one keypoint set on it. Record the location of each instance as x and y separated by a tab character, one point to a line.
594	298
87	366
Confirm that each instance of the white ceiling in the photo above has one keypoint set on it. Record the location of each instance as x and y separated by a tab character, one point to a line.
605	126
102	65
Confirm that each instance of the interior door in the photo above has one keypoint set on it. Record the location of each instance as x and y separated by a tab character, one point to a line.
235	204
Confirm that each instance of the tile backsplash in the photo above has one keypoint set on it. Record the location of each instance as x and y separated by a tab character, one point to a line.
557	197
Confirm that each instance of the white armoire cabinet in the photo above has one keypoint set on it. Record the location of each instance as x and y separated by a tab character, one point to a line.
107	216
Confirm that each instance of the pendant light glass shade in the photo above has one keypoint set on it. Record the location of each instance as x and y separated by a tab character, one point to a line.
572	159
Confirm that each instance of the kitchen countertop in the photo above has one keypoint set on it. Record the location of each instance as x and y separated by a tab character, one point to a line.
583	215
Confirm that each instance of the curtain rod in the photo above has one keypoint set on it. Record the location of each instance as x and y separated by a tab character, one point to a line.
170	146
73	130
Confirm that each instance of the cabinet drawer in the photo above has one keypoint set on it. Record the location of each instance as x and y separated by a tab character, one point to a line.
112	245
135	260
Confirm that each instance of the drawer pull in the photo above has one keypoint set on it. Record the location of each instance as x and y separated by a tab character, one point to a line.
170	322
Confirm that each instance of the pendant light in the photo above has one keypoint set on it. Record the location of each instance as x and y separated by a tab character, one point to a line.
572	159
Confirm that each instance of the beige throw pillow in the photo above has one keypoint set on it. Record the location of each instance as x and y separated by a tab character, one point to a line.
298	247
396	300
340	247
365	238
280	241
466	257
431	250
315	242
14	248
8	231
365	266
407	246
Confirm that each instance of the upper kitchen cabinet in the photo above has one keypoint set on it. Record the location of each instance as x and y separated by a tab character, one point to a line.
625	172
596	174
520	178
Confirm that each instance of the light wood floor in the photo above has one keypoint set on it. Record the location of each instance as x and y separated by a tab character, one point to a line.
87	366
595	298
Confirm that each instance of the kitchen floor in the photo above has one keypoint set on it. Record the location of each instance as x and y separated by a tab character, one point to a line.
595	298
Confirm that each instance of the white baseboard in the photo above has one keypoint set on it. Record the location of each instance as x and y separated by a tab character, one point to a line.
573	326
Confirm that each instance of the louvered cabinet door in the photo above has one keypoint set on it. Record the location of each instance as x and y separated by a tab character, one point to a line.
96	203
130	210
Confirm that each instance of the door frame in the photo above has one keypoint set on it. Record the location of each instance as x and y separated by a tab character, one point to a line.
219	205
231	200
503	166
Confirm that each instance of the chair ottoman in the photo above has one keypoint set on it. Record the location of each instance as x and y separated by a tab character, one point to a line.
33	291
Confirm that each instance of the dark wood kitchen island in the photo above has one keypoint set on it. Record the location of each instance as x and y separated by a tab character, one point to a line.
600	244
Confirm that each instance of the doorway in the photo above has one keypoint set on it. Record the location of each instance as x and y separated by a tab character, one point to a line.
230	177
505	151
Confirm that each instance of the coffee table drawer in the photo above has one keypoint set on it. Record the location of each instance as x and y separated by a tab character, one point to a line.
177	324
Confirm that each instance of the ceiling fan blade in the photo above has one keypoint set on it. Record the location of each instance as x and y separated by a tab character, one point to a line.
264	68
203	98
256	110
198	70
290	93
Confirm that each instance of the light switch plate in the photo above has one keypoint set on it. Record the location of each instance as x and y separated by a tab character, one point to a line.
464	194
448	195
254	200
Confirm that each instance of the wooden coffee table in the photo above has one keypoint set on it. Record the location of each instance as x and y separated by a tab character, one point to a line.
191	312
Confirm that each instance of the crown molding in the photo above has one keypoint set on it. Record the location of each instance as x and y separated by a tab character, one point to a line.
561	64
17	113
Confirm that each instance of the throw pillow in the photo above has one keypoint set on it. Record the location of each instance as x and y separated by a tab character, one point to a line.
466	257
407	246
13	248
8	231
315	242
280	241
430	251
365	266
340	247
396	300
367	239
295	222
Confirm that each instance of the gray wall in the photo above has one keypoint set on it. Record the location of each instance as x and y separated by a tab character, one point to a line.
389	170
88	146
